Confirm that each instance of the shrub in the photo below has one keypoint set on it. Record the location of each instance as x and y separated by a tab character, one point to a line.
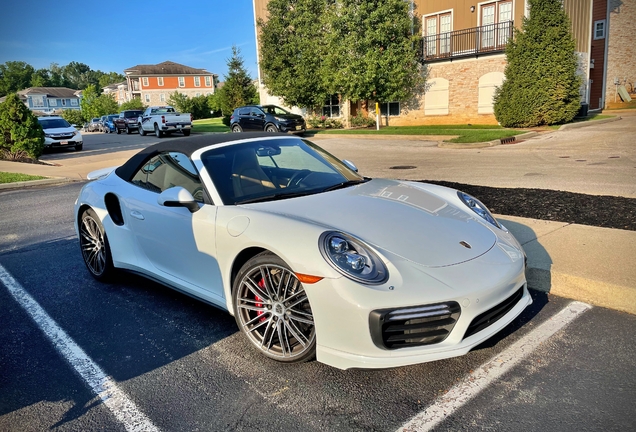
74	117
323	122
362	121
20	132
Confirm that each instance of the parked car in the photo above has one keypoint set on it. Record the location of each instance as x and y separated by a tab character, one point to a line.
59	133
268	118
108	125
95	124
128	121
301	249
163	120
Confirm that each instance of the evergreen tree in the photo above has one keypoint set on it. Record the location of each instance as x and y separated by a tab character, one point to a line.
238	89
20	132
541	85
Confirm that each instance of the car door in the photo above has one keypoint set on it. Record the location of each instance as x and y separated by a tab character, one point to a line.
175	241
245	120
257	117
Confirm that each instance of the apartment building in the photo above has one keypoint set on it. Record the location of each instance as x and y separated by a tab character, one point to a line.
154	84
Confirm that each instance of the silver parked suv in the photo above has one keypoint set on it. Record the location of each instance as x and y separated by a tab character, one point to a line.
59	133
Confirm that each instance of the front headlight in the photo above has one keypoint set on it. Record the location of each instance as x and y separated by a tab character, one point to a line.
475	205
352	258
47	136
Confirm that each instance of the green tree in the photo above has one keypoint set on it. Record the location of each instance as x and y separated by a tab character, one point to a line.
105	104
293	47
56	76
180	102
20	133
214	104
541	85
79	75
74	116
15	76
199	107
134	104
89	103
238	89
109	78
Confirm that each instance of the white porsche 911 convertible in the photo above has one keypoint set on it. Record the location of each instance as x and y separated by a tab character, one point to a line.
311	258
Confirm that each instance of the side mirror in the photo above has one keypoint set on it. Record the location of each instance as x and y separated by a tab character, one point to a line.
350	165
178	197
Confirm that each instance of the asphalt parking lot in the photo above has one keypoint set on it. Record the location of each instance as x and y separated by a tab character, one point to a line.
185	366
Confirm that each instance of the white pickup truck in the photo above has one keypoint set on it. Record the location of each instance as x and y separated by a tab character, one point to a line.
164	120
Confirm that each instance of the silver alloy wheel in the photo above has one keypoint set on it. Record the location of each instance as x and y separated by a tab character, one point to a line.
93	245
236	129
271	128
274	312
157	131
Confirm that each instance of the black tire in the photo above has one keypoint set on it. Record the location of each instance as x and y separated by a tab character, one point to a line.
158	133
279	324
142	132
79	147
94	246
118	131
128	131
271	128
236	128
186	132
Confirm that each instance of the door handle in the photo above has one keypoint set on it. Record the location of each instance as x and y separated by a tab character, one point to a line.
137	215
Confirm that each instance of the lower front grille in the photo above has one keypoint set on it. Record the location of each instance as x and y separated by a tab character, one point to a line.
413	326
493	315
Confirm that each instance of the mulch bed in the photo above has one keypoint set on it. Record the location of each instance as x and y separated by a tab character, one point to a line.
601	211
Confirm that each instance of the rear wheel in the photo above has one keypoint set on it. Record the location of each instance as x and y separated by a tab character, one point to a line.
272	309
186	132
142	132
158	133
236	128
94	246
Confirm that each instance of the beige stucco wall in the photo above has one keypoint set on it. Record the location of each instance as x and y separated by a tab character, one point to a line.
621	55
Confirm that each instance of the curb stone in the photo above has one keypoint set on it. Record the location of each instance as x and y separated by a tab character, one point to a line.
492	143
588	123
31	183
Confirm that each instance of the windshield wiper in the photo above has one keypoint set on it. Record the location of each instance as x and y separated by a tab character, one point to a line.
344	184
274	197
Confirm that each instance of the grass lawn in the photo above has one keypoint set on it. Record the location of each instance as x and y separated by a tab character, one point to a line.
6	177
209	125
467	133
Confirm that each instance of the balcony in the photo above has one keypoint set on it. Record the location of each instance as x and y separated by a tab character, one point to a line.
472	42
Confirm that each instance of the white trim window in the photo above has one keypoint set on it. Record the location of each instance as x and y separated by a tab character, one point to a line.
74	102
392	109
495	18
197	81
63	102
181	81
331	108
208	81
197	94
162	97
599	29
144	81
147	97
437	30
37	101
52	102
160	81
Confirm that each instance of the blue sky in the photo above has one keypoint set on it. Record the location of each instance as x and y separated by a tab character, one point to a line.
113	36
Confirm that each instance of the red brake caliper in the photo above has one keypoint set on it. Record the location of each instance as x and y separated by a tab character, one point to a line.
261	284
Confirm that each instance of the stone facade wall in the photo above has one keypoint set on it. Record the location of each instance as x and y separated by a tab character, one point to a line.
463	93
621	56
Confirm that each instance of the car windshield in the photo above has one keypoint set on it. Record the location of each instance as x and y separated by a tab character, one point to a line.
95	120
131	114
275	169
276	110
53	123
113	116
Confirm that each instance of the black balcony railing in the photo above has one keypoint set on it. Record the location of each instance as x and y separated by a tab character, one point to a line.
470	42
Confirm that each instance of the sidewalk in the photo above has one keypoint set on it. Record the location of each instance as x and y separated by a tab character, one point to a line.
590	264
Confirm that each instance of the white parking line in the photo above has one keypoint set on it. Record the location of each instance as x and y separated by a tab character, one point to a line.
473	384
104	386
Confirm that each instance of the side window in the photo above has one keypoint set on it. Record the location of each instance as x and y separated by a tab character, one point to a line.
244	112
256	111
169	170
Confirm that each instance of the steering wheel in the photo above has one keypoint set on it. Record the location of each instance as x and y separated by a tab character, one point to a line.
295	180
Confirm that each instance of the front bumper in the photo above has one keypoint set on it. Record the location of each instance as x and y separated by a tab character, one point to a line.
343	310
50	142
292	128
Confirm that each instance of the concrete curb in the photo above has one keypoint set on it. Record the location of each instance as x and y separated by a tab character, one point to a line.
32	183
588	123
492	143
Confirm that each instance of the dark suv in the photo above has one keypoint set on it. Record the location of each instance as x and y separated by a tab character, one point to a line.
268	118
127	121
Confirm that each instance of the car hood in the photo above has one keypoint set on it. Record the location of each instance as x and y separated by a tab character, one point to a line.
62	130
398	217
288	116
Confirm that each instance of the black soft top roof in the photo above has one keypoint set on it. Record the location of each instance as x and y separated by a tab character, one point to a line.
186	146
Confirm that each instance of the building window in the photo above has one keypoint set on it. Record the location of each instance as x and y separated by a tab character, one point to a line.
162	97
208	81
63	102
74	102
52	102
496	22
599	29
181	82
160	81
390	108
197	81
144	81
147	97
331	107
438	24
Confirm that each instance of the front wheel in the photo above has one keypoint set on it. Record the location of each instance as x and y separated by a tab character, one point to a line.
79	147
271	128
272	309
236	128
118	131
94	246
142	132
128	131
